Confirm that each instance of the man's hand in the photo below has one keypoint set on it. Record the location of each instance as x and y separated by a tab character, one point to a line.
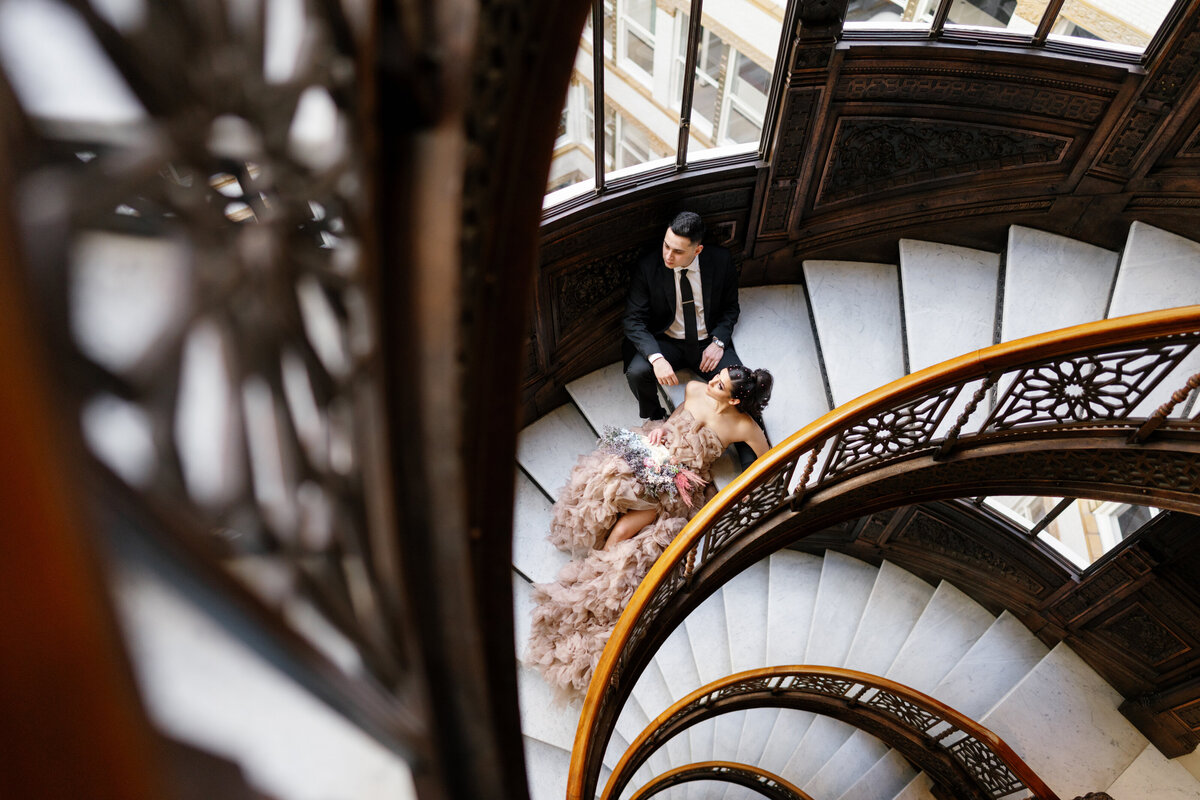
711	357
663	373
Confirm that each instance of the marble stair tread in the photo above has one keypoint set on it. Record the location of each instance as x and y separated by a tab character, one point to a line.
1190	762
677	664
1004	654
651	691
919	788
822	739
785	737
727	735
604	398
949	300
522	608
746	616
1062	719
774	333
548	448
756	732
616	747
706	632
1052	281
843	593
857	755
1153	775
547	767
950	624
532	554
896	602
542	716
794	578
856	306
886	779
1158	270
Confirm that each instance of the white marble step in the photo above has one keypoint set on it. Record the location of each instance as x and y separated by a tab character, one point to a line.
774	333
548	448
949	625
822	739
543	716
842	596
678	668
794	578
919	788
547	767
1052	281
1158	270
853	759
532	554
896	602
785	737
883	781
1153	775
604	398
997	661
1190	762
706	632
949	300
522	607
857	309
746	617
756	733
1062	719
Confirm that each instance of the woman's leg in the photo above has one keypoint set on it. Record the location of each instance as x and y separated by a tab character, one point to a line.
628	526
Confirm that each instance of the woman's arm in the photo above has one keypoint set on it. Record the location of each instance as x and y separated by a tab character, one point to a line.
754	436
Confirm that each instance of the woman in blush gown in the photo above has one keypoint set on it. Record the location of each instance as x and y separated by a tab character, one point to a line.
622	506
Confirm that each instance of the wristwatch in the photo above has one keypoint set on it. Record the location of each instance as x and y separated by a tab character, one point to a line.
718	343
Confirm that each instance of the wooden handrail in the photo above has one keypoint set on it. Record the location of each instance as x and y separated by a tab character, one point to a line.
935	707
702	769
970	366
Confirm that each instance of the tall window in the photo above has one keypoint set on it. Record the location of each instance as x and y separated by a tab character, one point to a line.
641	73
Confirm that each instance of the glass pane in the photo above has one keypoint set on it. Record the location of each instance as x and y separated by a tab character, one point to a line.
1024	511
1131	25
642	13
875	12
1091	528
1004	14
732	82
639	51
574	160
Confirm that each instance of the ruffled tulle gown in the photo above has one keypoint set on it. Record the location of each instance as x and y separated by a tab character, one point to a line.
576	613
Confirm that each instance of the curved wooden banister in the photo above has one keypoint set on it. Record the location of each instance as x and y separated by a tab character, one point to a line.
765	783
771	475
960	753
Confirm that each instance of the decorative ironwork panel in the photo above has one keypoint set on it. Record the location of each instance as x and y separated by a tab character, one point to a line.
819	684
1085	388
988	770
744	687
910	714
761	501
894	432
198	237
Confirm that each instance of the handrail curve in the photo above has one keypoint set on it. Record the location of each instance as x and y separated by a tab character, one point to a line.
767	784
964	755
1074	366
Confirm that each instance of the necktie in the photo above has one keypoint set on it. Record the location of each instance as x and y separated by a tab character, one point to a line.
688	300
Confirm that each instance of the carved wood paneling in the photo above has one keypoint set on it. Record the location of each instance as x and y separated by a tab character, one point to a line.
873	154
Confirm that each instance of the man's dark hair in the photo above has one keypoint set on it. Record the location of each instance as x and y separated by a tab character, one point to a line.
688	225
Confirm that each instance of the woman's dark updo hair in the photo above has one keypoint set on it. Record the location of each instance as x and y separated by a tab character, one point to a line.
752	387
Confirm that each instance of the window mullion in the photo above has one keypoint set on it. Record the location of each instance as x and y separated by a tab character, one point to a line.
598	90
1048	19
689	83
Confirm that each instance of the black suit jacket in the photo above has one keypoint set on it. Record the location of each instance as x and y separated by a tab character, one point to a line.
651	306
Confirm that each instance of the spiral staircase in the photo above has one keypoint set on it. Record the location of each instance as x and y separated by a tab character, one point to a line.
849	328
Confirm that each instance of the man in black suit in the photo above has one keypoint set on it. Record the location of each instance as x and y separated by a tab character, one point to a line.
681	312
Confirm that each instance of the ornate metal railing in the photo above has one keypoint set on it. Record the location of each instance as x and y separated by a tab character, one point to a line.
1113	395
765	783
959	754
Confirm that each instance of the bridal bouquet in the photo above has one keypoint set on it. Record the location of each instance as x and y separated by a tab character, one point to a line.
652	464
